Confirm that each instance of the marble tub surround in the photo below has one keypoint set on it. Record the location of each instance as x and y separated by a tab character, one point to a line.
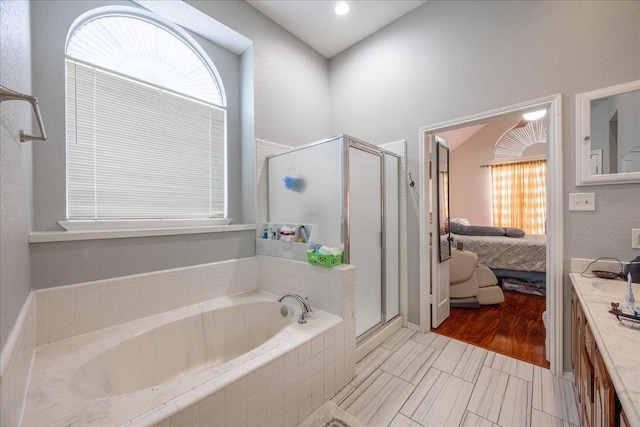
619	345
16	360
67	311
311	373
281	393
53	399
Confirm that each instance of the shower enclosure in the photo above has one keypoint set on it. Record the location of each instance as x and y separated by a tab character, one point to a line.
349	190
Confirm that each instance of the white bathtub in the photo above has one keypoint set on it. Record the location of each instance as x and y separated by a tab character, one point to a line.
145	371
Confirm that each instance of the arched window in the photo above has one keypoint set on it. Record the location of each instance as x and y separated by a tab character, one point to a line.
520	140
518	177
146	122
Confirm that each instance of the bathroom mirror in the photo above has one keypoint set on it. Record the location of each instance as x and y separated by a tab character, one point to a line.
442	183
608	135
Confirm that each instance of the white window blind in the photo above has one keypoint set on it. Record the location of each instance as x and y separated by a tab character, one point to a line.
139	151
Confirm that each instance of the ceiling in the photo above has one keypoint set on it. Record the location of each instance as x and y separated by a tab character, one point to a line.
457	137
315	22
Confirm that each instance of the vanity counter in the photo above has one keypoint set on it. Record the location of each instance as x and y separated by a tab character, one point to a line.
619	345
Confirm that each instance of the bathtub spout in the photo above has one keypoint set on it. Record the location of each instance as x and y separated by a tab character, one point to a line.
304	304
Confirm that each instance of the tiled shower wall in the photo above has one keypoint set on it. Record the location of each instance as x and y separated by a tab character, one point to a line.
67	311
329	289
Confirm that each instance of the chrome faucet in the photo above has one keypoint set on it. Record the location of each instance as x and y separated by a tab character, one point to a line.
304	304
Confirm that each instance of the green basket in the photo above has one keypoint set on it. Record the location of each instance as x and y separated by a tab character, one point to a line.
324	260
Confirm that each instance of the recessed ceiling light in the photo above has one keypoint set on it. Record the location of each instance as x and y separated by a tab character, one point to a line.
342	8
534	115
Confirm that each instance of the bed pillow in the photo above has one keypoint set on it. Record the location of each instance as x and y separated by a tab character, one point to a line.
513	232
476	230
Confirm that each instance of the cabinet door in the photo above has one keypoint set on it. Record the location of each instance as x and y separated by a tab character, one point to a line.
598	403
586	388
577	343
624	422
604	395
575	334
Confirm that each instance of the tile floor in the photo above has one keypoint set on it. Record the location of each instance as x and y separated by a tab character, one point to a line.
416	379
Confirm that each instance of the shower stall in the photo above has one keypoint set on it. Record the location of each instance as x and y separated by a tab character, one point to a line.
349	190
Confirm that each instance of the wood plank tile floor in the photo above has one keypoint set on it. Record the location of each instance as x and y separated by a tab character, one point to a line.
417	379
513	328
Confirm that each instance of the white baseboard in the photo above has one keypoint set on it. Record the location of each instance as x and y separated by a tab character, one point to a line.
566	375
378	338
413	326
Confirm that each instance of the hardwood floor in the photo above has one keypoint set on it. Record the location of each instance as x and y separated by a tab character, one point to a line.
513	328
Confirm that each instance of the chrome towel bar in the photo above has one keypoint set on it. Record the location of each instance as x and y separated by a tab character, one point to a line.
7	94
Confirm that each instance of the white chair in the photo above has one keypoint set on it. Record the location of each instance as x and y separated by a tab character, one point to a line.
468	280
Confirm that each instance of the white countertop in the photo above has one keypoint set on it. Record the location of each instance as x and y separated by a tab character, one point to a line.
618	344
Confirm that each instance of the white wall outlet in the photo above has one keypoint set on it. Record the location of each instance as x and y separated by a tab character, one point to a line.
582	201
635	238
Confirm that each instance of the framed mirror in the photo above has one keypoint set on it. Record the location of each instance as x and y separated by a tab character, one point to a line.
608	135
442	183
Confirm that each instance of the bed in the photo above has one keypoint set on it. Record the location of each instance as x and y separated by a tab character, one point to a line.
518	263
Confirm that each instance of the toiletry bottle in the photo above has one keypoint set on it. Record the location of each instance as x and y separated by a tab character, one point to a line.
629	300
304	233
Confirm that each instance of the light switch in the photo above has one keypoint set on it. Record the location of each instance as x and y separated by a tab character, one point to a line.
582	201
635	238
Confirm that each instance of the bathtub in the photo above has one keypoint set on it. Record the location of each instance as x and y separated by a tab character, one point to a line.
143	372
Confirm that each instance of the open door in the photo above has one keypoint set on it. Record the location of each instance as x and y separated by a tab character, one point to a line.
439	229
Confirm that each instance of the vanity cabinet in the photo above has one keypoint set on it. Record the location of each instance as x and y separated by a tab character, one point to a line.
604	409
597	397
624	422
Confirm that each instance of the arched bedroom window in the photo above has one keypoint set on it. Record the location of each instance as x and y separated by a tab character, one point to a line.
145	122
518	178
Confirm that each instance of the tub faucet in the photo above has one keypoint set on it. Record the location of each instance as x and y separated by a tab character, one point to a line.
304	303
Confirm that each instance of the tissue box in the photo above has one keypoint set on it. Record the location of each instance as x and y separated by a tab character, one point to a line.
324	260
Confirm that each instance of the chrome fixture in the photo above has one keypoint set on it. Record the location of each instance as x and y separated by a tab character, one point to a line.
304	304
7	94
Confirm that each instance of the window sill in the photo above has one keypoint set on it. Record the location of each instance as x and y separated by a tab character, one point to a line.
66	236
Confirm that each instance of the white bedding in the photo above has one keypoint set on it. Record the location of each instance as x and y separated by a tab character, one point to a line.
526	254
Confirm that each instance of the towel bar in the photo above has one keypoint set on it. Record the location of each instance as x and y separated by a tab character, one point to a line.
7	94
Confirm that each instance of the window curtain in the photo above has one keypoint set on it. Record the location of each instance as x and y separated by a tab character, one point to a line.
519	196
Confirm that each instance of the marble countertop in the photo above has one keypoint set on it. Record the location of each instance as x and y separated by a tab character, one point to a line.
619	344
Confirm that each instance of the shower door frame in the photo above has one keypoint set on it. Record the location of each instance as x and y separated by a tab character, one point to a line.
350	142
347	142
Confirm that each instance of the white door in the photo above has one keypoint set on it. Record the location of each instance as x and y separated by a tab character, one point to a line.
365	235
439	269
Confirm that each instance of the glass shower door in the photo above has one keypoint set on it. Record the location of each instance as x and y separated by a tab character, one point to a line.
365	235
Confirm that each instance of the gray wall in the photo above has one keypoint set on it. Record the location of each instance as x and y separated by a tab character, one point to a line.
291	80
289	89
285	66
15	167
447	60
62	263
470	184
